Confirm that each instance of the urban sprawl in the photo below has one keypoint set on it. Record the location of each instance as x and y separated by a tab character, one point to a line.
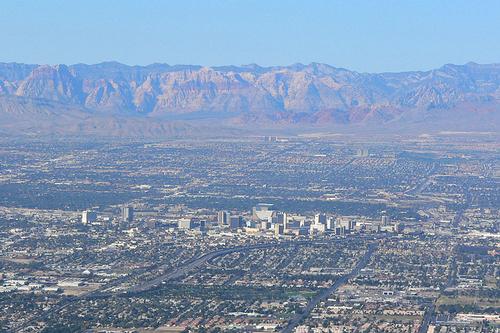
313	233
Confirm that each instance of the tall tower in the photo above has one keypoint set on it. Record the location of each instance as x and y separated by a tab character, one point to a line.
320	219
222	218
88	216
127	214
285	221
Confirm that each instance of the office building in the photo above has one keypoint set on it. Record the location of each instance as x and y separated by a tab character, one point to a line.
330	223
281	217
127	214
222	218
340	231
88	216
279	229
293	224
203	225
236	222
320	219
185	223
352	225
318	227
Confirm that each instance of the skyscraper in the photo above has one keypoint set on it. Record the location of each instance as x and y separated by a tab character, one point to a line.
281	218
236	222
320	219
340	231
278	229
352	225
330	223
222	218
264	225
385	220
88	216
127	214
203	225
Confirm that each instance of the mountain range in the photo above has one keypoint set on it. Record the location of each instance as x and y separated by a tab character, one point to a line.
160	100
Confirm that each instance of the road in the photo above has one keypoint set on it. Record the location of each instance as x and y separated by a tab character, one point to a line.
298	318
200	261
429	313
156	282
424	183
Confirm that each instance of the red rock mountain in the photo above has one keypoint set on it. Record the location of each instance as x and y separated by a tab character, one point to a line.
314	95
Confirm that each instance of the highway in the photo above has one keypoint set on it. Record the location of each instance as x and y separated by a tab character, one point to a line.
299	317
156	282
200	261
424	183
429	313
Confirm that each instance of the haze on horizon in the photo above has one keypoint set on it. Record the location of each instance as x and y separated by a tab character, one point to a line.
351	183
364	36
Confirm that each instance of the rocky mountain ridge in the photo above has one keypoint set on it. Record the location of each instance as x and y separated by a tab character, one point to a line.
314	94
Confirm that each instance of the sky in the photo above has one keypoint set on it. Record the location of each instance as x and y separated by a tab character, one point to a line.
367	36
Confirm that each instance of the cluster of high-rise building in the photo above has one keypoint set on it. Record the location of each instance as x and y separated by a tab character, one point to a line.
265	218
126	216
262	219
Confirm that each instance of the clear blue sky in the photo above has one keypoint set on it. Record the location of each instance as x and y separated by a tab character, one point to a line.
371	35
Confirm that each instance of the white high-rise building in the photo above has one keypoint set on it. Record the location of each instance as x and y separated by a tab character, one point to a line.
320	219
88	216
282	218
127	214
330	223
222	217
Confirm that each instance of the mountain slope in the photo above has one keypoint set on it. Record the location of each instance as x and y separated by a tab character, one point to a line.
309	95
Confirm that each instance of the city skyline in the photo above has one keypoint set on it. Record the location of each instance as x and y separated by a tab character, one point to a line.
227	166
